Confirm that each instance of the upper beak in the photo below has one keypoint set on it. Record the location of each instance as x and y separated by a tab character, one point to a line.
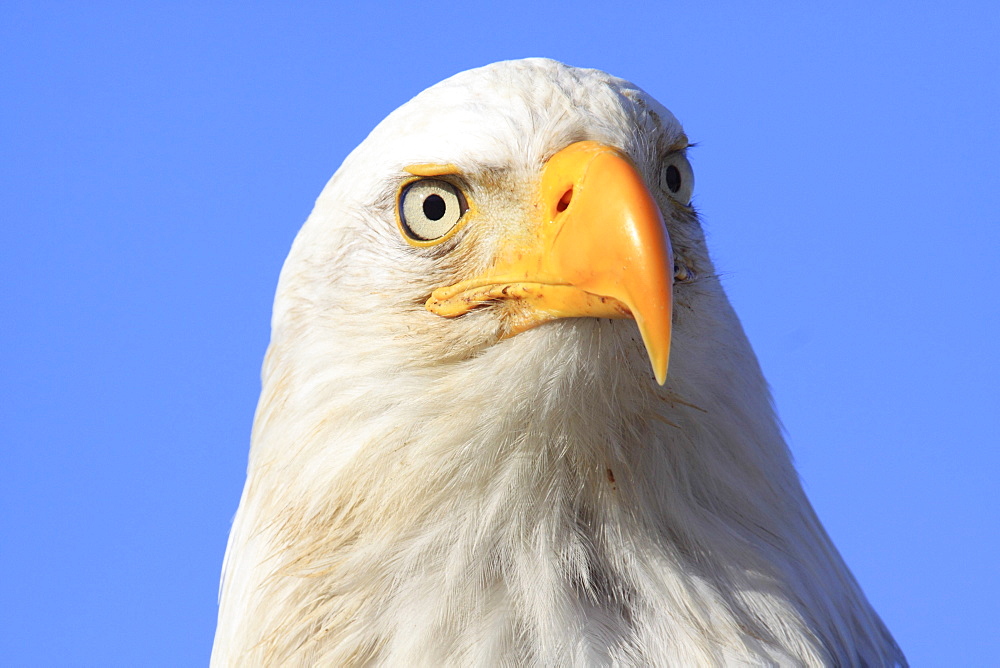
598	249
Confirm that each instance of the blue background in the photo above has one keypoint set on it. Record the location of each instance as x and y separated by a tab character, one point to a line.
157	159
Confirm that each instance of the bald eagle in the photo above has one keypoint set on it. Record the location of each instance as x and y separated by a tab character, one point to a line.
469	448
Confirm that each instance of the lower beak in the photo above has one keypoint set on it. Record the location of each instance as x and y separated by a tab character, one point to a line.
599	249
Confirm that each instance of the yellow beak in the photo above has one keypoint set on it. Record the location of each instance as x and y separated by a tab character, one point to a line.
599	249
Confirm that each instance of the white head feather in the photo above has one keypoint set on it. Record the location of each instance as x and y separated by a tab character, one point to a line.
423	492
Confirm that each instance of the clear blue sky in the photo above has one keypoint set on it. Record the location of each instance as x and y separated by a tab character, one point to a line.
157	159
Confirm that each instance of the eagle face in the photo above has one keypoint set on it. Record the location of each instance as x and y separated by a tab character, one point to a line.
469	448
505	161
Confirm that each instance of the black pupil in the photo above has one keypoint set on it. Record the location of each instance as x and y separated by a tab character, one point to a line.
434	207
673	179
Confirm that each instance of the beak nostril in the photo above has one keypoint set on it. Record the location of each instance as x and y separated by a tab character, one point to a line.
564	201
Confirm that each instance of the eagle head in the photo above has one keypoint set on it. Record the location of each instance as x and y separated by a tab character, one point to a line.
509	417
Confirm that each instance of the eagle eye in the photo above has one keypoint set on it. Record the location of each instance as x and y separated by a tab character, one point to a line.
429	209
676	178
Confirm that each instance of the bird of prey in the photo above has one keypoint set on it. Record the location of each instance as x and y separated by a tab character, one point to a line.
469	449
